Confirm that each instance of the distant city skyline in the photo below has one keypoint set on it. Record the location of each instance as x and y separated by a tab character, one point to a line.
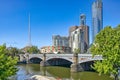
48	17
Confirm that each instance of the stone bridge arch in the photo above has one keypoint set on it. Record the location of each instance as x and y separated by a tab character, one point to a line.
68	59
92	60
35	55
35	60
59	62
86	65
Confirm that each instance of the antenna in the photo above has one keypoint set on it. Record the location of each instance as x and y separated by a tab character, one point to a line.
29	32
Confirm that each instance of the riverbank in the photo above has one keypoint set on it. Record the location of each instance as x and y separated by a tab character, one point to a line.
39	77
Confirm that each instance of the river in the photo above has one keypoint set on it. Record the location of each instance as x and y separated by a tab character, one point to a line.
63	73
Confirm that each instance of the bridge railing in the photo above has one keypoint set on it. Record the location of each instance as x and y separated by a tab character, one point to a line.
81	57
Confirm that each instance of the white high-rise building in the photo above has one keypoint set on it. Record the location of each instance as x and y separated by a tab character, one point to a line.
79	36
78	39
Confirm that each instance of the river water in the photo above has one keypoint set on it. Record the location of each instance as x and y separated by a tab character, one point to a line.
60	73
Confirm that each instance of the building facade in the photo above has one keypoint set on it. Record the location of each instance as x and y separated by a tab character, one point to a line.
79	35
55	49
85	29
73	28
80	39
97	18
58	40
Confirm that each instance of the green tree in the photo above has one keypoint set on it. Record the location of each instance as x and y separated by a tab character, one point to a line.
13	51
31	49
7	64
107	44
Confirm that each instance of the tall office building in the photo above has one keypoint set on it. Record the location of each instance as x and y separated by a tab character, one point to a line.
73	28
85	29
78	39
97	18
82	20
79	35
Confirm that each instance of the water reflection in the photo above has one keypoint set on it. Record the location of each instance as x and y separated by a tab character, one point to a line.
26	71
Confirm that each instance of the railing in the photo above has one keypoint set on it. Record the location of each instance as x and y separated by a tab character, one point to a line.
81	57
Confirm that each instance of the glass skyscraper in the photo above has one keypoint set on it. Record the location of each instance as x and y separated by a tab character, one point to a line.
97	18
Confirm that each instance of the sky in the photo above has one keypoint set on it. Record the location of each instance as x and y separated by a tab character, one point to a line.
48	17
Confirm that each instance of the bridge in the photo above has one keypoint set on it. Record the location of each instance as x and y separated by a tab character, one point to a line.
82	61
69	57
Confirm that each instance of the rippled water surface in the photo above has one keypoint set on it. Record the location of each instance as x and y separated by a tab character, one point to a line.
26	71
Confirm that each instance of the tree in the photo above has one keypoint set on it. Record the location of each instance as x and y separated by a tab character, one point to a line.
12	51
31	49
107	44
7	64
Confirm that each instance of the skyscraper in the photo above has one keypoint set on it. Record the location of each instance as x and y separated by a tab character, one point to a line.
85	29
82	20
97	18
79	35
73	28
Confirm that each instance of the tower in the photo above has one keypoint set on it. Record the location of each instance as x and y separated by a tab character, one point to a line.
97	18
82	20
84	32
29	31
79	35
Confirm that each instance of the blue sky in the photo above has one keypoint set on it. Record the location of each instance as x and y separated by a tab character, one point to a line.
48	17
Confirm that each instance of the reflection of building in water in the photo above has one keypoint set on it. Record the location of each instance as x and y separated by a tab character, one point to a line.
43	71
60	72
27	70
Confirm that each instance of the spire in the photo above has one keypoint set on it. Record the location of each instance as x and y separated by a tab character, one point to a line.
29	31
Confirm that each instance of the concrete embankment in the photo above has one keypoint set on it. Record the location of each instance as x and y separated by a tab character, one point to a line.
39	77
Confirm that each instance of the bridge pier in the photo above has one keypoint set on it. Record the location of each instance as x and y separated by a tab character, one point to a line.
27	59
24	58
74	66
43	62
